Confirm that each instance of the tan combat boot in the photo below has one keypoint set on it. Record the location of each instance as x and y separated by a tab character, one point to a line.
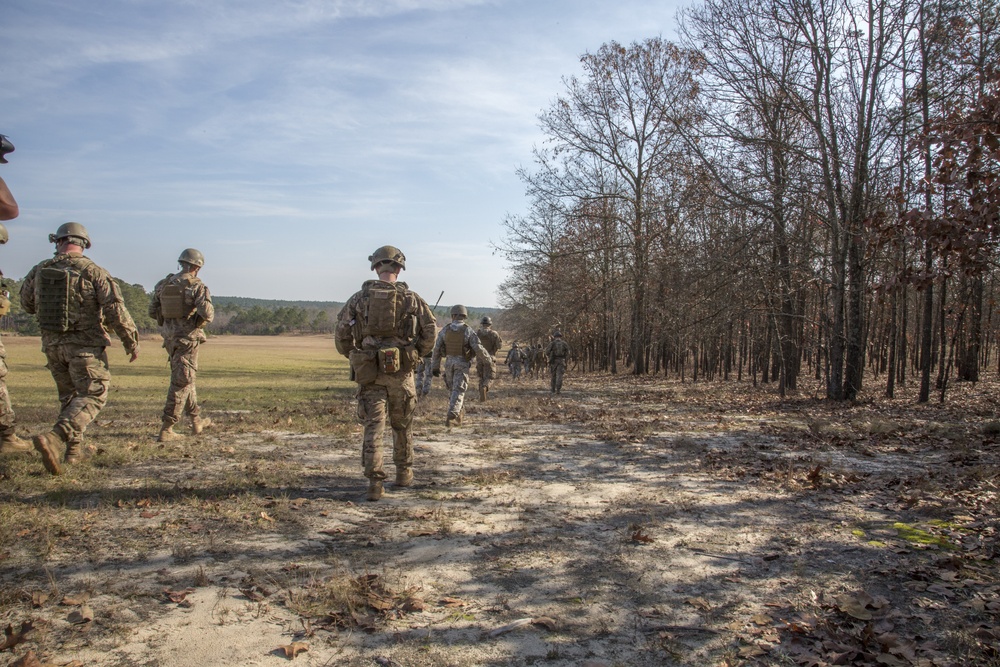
74	453
48	446
167	433
404	476
199	424
11	444
374	489
482	394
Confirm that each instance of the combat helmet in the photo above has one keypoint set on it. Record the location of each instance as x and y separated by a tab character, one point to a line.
459	309
192	256
557	334
71	229
387	253
3	234
486	321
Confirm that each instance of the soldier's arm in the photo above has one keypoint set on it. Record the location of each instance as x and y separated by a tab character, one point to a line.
438	351
343	334
109	298
27	293
154	304
204	309
426	329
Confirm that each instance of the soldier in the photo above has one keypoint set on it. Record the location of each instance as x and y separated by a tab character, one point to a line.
459	344
557	352
9	442
75	301
182	306
384	330
492	341
539	354
514	361
424	376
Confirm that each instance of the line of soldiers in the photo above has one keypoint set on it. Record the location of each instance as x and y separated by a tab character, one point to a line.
76	302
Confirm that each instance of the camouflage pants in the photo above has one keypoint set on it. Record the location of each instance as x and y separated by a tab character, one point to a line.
82	380
456	378
485	375
182	397
424	376
515	369
396	397
557	368
6	411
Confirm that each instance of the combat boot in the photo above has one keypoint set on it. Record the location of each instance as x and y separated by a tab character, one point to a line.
404	476
74	453
374	489
167	433
48	446
482	394
11	444
199	424
452	417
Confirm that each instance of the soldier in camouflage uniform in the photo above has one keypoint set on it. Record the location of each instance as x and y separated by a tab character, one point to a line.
182	306
492	341
557	352
9	442
515	361
75	301
459	344
538	352
424	376
384	330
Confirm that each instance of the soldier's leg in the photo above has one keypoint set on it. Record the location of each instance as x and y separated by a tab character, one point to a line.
9	442
557	376
460	384
552	378
91	377
372	407
402	402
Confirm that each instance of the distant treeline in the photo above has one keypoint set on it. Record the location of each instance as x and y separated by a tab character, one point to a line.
233	314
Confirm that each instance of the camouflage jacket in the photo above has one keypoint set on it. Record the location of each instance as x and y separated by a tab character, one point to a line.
197	301
100	305
490	339
470	346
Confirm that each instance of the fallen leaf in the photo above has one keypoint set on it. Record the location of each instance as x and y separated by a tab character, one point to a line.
293	649
451	602
29	659
700	603
80	616
414	604
177	596
148	515
75	600
38	598
639	536
853	608
265	516
11	638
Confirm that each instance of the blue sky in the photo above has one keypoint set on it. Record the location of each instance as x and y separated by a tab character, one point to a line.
288	140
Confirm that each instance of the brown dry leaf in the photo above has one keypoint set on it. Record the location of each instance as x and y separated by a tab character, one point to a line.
751	651
293	649
177	596
700	603
75	600
266	517
332	531
38	598
29	659
145	502
451	602
414	604
762	619
11	638
641	537
891	660
148	515
82	615
853	608
545	622
252	594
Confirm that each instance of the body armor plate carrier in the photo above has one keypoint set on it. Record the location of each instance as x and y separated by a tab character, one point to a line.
172	304
54	299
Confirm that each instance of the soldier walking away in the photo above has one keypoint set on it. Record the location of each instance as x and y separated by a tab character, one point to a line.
492	341
514	361
424	376
385	329
557	352
75	301
538	352
458	343
182	306
9	442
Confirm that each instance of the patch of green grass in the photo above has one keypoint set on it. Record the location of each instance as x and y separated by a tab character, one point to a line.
918	536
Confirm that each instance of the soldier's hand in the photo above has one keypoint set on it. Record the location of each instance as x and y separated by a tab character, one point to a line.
436	372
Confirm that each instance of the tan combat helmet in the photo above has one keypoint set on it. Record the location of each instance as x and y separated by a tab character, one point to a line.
486	321
460	310
192	256
4	236
71	229
387	253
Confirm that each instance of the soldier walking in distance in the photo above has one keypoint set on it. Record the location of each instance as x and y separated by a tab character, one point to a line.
492	341
514	361
385	329
9	442
557	352
182	306
75	301
424	376
538	352
459	344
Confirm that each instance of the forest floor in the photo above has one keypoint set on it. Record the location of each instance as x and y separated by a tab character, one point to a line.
624	522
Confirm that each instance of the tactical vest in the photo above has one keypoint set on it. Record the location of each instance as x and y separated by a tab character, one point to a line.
454	342
57	293
559	349
386	308
173	302
488	338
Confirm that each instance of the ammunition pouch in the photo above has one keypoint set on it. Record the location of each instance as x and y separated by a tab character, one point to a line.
390	360
364	364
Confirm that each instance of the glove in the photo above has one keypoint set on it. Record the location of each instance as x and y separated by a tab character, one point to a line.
436	372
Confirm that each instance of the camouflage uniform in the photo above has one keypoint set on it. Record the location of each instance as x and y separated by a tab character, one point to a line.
538	353
492	341
557	352
381	393
7	422
77	357
458	343
424	376
181	338
515	359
